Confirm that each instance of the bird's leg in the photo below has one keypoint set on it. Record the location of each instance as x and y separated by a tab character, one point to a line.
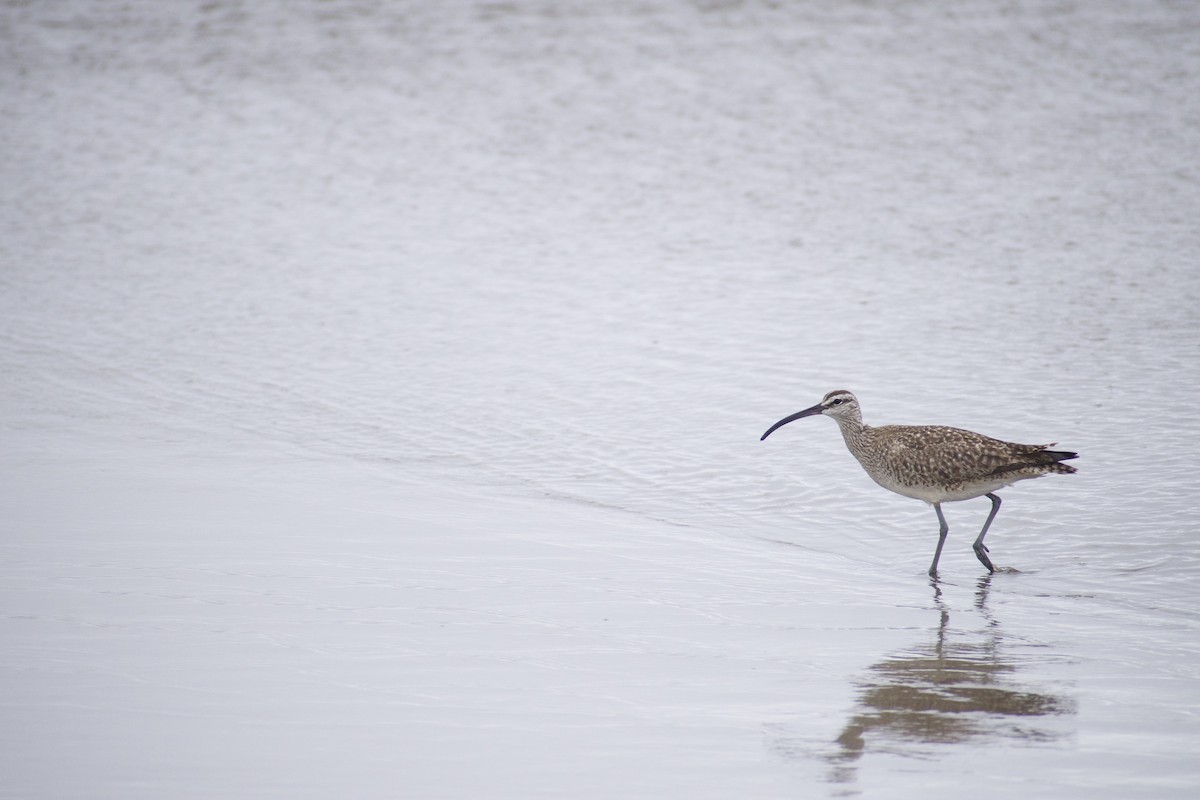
981	550
942	531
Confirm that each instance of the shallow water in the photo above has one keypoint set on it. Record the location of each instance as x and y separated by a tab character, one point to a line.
383	386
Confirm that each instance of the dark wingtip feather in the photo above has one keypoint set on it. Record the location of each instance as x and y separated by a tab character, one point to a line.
1041	459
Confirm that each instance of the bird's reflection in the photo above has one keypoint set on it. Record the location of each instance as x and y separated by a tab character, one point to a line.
958	687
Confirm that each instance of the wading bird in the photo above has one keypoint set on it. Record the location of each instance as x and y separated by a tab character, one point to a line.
936	464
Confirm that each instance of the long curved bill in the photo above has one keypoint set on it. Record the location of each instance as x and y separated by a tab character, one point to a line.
808	412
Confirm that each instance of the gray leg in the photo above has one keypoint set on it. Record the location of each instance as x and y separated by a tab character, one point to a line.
981	550
944	529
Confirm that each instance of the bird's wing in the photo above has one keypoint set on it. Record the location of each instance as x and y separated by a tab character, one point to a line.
938	455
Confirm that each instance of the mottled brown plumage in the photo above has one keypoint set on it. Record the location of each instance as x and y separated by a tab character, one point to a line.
935	463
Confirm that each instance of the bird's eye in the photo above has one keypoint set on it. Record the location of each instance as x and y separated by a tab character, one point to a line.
838	402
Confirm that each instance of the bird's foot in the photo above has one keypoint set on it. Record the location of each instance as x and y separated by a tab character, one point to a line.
981	552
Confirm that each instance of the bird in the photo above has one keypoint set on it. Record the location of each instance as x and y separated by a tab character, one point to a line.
936	464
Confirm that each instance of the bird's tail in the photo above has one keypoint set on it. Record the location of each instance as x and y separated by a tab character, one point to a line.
1057	456
1038	455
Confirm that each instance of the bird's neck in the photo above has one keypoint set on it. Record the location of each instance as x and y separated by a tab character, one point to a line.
854	432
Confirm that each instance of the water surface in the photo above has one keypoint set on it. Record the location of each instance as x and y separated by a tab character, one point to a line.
383	385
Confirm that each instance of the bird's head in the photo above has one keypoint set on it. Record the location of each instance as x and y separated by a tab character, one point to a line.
839	404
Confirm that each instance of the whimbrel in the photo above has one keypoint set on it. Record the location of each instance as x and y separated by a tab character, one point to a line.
936	464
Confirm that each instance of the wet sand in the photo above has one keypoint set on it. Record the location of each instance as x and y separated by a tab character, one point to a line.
383	387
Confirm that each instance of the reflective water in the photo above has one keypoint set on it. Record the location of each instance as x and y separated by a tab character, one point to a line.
962	687
460	322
